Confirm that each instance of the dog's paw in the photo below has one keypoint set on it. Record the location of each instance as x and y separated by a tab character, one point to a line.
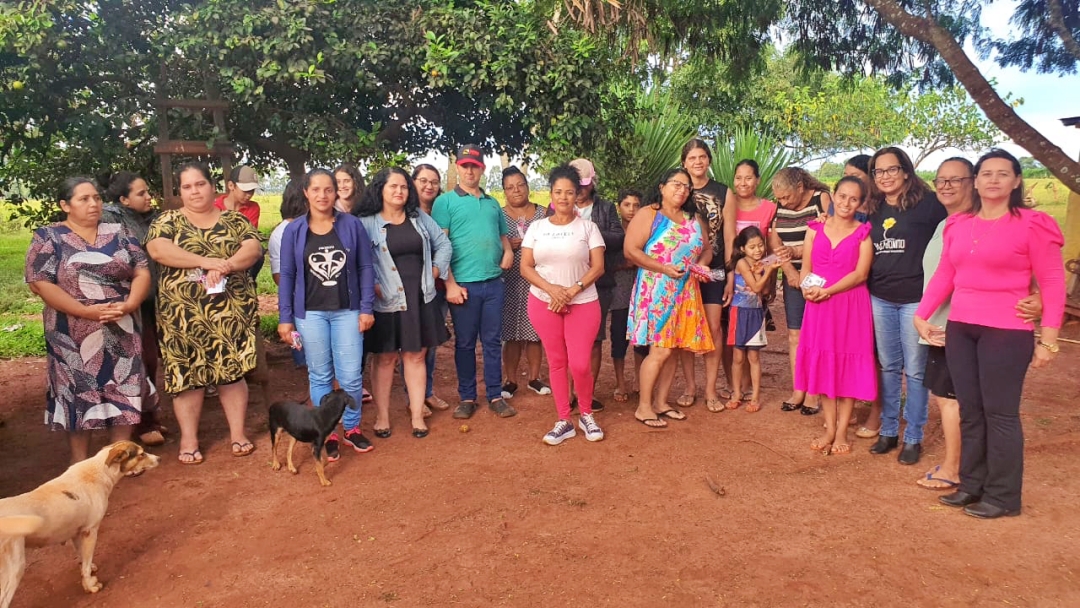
93	568
294	470
276	466
325	483
91	584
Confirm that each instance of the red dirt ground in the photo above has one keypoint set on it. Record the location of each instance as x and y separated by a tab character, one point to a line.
494	517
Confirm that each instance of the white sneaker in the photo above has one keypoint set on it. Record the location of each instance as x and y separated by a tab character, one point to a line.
592	431
564	429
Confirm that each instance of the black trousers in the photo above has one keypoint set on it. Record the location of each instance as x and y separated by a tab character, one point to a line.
988	366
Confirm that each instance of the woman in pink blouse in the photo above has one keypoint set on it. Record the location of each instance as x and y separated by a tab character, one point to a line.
989	257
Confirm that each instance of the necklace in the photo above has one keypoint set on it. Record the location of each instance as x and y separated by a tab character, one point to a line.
975	240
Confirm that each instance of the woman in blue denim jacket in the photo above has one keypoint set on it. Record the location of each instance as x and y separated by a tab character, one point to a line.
409	252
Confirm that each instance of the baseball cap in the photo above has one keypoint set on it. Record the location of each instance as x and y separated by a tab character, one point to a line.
470	155
585	169
245	178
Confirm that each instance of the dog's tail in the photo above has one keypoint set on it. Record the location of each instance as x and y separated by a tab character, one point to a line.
20	525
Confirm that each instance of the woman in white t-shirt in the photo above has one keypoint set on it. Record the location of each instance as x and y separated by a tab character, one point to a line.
561	257
293	205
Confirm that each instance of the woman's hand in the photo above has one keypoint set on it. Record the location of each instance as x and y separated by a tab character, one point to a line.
515	243
815	294
1042	357
934	335
672	271
729	292
1030	308
560	296
103	313
216	264
435	272
507	259
366	321
284	331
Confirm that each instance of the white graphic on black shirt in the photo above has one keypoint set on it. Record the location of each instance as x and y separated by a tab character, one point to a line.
326	265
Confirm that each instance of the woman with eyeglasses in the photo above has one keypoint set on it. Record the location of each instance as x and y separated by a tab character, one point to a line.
800	199
663	240
428	182
988	259
904	213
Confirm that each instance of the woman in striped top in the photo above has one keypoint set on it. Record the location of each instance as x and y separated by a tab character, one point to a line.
800	198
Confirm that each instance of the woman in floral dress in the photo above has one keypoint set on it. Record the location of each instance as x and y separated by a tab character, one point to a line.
666	311
92	277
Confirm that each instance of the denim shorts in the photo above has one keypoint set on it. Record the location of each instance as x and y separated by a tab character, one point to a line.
794	306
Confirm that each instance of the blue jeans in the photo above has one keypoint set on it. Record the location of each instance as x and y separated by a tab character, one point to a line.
440	301
899	353
480	316
333	347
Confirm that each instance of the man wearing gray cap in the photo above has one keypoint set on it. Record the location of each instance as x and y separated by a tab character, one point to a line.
602	213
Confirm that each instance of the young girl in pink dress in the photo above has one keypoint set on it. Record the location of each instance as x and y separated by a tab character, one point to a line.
836	350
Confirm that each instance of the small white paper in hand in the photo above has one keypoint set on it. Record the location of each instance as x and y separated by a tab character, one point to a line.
216	289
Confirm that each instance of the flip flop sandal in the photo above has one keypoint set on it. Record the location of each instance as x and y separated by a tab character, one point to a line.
686	400
673	414
620	397
725	394
753	406
714	405
240	450
949	484
840	448
196	457
733	404
657	422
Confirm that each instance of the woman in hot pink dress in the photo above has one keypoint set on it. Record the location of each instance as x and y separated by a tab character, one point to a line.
836	350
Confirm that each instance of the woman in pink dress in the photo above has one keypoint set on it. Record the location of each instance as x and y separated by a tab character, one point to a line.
836	351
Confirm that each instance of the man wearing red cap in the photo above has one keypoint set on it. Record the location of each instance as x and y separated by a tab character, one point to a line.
474	286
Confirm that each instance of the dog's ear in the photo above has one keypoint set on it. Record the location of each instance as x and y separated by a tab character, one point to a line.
120	452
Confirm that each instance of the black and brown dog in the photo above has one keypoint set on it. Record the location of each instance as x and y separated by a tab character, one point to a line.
308	425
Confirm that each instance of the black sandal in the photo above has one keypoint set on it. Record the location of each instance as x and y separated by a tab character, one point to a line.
382	433
420	433
809	411
789	407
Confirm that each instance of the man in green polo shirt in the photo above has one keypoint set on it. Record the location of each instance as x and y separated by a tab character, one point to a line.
474	286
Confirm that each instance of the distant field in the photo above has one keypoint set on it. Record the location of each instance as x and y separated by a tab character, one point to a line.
20	320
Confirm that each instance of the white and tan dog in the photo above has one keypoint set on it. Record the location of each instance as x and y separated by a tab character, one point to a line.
69	507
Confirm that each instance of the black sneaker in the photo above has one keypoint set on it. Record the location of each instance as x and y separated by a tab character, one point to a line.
357	440
596	405
331	448
539	387
508	390
502	408
465	409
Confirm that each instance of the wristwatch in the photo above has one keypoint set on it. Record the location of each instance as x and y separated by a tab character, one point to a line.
581	285
1050	347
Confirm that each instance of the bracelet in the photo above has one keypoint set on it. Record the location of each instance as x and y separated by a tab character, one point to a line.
1053	348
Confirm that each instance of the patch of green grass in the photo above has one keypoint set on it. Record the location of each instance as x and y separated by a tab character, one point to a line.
15	296
28	340
268	326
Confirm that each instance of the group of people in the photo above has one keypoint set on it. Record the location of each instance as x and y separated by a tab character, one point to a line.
869	272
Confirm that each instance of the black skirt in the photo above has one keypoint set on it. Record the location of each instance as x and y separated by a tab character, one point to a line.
420	325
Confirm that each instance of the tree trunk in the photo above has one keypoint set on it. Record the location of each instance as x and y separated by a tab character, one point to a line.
996	109
295	159
1057	23
451	172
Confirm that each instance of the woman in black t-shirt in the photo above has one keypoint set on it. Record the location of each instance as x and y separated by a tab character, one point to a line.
904	213
709	196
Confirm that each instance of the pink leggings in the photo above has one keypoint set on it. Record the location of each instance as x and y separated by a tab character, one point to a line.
568	339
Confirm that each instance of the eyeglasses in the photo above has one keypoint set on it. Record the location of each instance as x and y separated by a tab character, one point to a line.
955	182
423	181
678	185
890	171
